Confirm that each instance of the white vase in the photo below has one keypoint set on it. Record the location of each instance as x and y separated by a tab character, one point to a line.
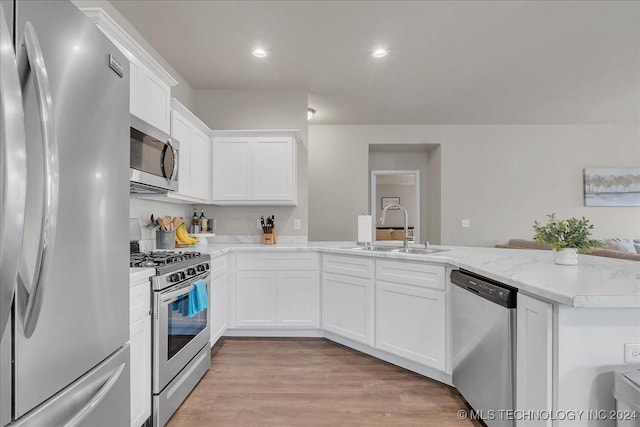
566	256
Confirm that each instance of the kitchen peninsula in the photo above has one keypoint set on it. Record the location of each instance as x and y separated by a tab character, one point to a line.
572	322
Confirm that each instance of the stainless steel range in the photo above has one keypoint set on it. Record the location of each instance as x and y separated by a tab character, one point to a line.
181	350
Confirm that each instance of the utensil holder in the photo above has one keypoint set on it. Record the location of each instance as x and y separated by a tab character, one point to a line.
269	238
165	239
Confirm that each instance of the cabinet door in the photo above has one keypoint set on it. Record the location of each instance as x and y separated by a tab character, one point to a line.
156	101
298	298
273	168
140	353
136	89
149	97
534	357
200	164
181	131
410	322
255	298
347	307
219	295
231	169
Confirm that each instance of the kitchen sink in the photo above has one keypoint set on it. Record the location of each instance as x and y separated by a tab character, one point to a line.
379	248
395	249
419	251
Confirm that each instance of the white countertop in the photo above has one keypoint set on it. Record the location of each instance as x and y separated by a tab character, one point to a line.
594	282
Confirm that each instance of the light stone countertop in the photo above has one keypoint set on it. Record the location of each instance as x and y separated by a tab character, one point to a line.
594	282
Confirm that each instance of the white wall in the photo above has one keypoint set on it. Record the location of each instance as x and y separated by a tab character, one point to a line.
259	109
501	177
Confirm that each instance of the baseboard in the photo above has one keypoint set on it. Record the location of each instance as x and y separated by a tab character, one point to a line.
298	333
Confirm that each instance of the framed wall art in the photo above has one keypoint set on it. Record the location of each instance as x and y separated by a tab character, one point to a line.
612	187
390	201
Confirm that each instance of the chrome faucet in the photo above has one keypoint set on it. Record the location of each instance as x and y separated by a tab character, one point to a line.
405	239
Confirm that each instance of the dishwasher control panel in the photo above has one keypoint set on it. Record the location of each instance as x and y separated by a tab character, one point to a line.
499	293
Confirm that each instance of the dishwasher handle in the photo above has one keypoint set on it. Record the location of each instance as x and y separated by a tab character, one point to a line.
486	288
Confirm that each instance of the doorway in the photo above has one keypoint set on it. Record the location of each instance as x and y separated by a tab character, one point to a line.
395	186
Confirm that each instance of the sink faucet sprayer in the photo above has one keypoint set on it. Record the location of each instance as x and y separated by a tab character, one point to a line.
405	240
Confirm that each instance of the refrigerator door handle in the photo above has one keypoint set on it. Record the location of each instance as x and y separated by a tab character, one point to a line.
31	61
14	171
96	399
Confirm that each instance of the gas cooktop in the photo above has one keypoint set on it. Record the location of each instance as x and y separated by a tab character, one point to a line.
161	258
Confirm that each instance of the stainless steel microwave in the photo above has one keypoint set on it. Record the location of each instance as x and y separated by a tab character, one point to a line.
154	160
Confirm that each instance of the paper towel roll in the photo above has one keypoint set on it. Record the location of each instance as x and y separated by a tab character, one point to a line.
364	229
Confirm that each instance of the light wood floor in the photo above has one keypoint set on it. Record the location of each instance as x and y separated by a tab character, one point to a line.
313	382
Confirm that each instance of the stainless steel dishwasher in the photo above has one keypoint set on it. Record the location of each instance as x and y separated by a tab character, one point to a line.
484	328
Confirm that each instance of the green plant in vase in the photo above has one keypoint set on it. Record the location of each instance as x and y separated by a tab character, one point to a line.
567	237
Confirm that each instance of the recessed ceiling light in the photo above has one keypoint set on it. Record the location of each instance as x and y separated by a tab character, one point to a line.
379	53
259	52
310	113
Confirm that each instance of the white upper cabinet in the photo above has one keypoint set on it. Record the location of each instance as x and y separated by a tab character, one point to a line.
150	83
194	154
232	163
149	96
254	168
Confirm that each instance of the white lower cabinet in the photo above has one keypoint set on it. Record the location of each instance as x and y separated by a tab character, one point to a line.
284	298
297	298
256	298
348	305
218	307
534	361
279	289
140	352
410	322
411	311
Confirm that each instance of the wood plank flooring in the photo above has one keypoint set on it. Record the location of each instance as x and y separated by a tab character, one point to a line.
313	382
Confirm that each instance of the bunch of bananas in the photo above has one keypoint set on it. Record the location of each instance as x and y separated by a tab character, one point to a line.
182	236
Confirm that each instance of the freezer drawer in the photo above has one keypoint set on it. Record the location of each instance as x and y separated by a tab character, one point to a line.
98	399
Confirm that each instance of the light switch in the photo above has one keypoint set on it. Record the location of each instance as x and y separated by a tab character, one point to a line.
296	224
465	223
214	224
258	225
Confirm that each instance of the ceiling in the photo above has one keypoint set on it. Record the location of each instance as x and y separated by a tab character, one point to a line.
449	62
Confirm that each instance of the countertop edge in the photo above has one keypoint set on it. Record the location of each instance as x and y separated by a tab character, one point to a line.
453	259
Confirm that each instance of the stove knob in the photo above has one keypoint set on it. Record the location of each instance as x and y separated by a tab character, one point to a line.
182	275
191	271
207	266
175	277
200	268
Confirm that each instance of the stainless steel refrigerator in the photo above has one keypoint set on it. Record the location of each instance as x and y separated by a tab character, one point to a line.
64	163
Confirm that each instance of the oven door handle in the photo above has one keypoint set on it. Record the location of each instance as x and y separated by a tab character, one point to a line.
172	295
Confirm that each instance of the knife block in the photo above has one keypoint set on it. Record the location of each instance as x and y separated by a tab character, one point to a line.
269	238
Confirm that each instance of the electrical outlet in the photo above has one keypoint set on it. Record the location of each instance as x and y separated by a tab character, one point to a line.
632	353
214	224
258	226
296	224
465	223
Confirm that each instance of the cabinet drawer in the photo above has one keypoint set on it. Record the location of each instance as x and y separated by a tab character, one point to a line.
411	273
139	301
276	261
219	266
352	266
